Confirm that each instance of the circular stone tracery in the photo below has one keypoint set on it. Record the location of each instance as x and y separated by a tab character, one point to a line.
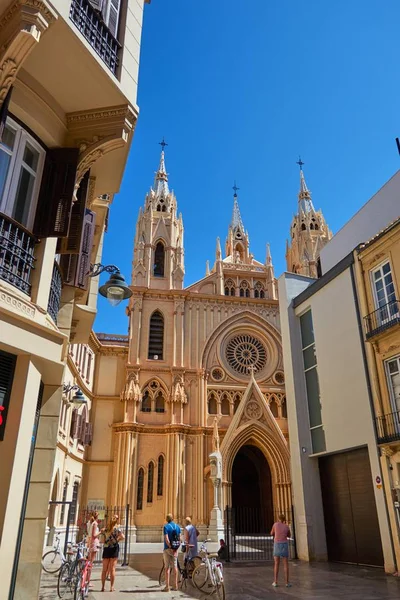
244	352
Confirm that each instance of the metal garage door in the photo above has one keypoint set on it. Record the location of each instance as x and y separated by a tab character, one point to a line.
351	520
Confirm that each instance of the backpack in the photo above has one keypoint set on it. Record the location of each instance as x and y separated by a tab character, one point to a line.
174	539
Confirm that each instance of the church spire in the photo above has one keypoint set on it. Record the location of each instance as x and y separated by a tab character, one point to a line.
161	179
236	218
305	202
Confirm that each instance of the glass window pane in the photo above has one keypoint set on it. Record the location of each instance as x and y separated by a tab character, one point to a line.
386	268
393	366
31	157
318	440
309	357
314	404
8	138
377	275
4	164
23	197
307	331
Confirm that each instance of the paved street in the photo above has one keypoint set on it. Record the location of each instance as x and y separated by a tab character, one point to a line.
250	582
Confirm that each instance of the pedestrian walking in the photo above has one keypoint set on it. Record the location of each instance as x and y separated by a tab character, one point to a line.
281	534
172	533
112	536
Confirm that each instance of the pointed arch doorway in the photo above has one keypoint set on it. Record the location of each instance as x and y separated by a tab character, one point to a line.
252	491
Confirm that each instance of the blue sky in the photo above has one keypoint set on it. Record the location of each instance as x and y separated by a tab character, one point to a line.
239	89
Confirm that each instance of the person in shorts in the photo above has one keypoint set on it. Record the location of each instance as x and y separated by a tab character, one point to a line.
281	534
171	532
111	535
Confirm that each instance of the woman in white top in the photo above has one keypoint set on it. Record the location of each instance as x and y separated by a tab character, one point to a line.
93	535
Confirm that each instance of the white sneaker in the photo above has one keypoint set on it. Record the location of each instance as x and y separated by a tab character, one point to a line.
274	584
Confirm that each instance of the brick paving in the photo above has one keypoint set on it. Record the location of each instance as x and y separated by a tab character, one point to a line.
322	581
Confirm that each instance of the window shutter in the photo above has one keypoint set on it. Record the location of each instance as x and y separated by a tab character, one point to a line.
4	111
82	428
113	16
83	263
88	434
56	193
7	368
71	244
75	267
75	424
97	4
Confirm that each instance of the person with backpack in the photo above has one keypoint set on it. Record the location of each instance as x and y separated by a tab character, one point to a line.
172	541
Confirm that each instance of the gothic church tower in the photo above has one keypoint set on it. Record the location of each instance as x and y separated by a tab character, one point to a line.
158	261
309	233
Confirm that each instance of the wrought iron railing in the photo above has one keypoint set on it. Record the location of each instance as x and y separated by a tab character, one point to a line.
16	254
388	427
382	318
93	28
53	305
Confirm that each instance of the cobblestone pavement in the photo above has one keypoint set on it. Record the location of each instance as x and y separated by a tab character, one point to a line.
248	582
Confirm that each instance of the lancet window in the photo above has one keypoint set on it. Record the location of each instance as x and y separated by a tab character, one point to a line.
160	475
139	494
244	290
159	260
156	336
230	287
153	397
150	482
259	290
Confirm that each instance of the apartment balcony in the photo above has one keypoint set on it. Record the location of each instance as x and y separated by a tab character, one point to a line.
17	259
96	32
382	319
388	427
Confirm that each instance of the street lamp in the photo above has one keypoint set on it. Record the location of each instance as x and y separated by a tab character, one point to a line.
116	288
78	398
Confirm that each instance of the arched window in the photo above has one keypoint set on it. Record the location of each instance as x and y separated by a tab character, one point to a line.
226	291
241	292
74	505
64	498
150	481
303	227
160	403
160	475
139	494
311	225
159	259
236	403
146	402
316	226
259	290
229	287
156	336
274	407
225	405
256	294
212	405
262	294
284	409
247	293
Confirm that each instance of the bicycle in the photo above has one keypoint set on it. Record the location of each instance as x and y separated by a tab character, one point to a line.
184	573
69	572
83	579
53	560
209	572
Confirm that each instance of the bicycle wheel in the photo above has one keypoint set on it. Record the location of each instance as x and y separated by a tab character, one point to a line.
161	577
192	564
64	581
51	561
78	587
201	580
220	590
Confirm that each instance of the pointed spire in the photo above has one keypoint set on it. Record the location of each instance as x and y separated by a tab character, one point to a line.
161	179
305	202
236	218
218	253
268	260
207	268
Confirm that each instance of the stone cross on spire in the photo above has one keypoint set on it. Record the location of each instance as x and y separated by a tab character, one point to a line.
161	178
305	202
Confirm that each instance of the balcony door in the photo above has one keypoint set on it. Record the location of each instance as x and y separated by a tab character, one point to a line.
384	293
393	371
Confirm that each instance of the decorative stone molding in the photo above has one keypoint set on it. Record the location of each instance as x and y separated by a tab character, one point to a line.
99	131
21	27
178	393
14	303
131	391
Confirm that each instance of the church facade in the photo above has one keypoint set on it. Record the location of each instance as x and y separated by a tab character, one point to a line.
199	376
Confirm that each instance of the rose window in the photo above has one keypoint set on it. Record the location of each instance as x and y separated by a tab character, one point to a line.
245	352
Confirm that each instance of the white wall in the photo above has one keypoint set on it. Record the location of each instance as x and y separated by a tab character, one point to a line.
375	215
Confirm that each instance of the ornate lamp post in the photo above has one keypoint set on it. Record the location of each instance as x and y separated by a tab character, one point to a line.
116	288
78	399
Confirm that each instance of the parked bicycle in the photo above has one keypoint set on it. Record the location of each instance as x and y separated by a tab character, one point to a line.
53	560
185	571
69	572
83	579
208	576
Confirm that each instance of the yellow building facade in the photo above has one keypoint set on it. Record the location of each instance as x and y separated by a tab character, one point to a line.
201	368
378	276
68	83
